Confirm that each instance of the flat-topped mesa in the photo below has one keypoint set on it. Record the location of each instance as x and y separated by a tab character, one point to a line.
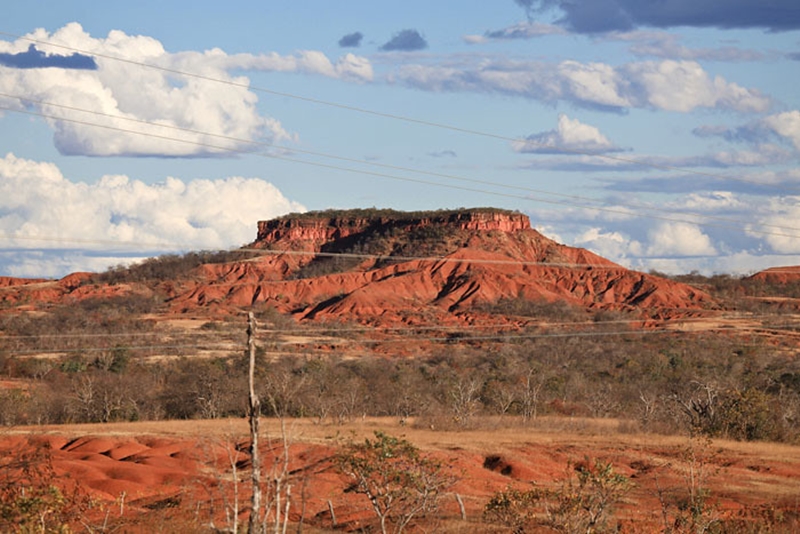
325	226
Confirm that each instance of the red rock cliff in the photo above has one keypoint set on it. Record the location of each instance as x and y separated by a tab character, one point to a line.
322	227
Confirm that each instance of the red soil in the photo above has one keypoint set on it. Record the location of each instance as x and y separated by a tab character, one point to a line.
136	473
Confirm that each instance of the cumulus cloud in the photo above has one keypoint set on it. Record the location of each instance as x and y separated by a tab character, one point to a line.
612	245
594	16
679	239
129	91
782	213
41	209
406	41
351	40
684	86
735	263
680	86
786	125
571	135
740	233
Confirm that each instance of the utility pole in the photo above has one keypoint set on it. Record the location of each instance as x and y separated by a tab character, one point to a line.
254	526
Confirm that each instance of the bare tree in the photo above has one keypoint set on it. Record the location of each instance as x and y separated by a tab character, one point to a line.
501	395
399	482
278	489
647	409
464	397
529	393
699	406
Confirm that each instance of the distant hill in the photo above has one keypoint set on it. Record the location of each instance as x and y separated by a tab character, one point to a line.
778	275
385	266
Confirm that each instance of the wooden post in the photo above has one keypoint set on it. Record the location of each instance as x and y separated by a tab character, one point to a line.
254	525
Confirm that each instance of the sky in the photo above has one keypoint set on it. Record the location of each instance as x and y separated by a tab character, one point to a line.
661	134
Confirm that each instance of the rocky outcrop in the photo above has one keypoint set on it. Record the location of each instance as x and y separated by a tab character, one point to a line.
9	281
493	255
777	275
381	266
317	228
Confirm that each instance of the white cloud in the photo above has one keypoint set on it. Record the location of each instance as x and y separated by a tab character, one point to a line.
144	94
680	86
615	246
765	154
787	125
745	233
55	264
41	209
679	239
714	200
780	220
684	85
739	263
569	135
349	66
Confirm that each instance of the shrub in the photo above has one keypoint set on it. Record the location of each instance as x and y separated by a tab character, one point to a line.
398	480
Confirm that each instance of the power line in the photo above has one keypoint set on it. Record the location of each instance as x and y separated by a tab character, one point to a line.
328	331
333	330
361	342
344	342
382	165
376	174
392	116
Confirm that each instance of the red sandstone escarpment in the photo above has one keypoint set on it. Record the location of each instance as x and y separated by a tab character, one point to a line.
318	228
385	266
485	256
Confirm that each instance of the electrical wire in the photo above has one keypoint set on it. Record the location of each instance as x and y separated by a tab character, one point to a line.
377	342
346	342
386	115
375	174
375	113
333	330
382	165
330	332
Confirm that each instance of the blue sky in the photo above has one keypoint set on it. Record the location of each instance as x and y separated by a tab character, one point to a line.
661	134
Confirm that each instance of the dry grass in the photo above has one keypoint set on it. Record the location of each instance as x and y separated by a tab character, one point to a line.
492	432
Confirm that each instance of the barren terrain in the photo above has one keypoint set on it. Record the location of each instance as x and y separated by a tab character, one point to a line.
132	470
